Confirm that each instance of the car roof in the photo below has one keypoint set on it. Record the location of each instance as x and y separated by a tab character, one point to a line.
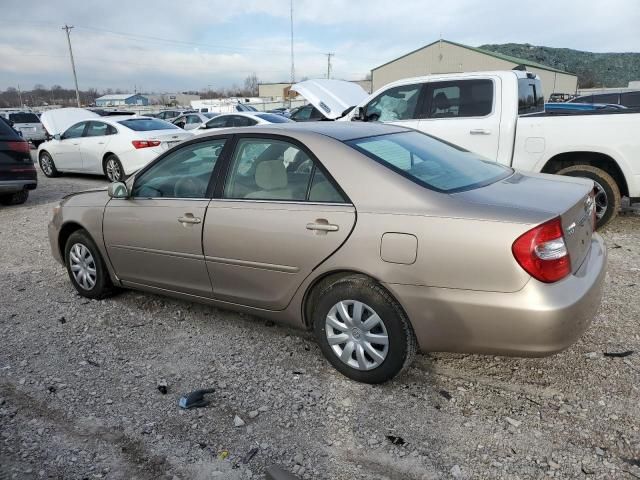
341	131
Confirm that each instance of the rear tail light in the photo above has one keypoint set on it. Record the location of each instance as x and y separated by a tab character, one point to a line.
145	143
30	167
542	252
20	146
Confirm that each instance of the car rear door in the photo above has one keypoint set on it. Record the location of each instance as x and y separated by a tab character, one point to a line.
93	145
154	238
465	112
272	222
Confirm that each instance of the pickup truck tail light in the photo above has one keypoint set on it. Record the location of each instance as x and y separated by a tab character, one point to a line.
145	143
542	252
20	146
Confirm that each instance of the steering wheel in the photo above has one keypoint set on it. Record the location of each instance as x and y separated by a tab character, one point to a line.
189	187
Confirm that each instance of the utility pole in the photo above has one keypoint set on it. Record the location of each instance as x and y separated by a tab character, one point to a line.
20	96
67	28
293	68
329	55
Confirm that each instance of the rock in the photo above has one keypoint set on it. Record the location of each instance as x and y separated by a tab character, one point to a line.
599	451
511	421
456	471
253	413
591	355
298	458
553	465
238	422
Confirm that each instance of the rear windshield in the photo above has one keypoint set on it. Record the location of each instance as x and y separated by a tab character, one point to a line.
146	124
6	132
431	162
24	118
273	118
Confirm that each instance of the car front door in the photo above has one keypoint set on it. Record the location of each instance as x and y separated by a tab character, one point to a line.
180	122
154	237
277	217
67	150
94	144
397	105
464	112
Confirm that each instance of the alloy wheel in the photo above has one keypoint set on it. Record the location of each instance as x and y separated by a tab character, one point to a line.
113	170
600	199
46	163
357	335
83	266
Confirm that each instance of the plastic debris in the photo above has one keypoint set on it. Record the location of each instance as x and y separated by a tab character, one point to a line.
195	399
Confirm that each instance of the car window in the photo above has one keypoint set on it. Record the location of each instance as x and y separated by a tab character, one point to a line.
184	173
267	169
147	124
75	131
273	118
460	98
430	162
530	96
219	122
24	118
322	190
398	103
99	129
240	121
630	99
303	113
193	119
606	98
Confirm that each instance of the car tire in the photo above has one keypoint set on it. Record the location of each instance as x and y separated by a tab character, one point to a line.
608	200
365	361
113	169
47	165
86	267
14	198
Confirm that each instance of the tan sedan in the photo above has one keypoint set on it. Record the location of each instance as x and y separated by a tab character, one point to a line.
381	239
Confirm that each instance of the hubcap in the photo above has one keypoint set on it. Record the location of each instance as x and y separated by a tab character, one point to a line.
113	171
46	164
601	200
357	335
83	266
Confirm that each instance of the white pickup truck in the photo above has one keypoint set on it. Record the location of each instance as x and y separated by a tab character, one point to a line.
501	116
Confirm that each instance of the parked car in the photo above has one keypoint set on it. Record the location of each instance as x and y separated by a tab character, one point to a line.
110	113
192	120
629	99
169	114
569	107
17	172
240	119
379	238
500	115
29	126
84	142
284	111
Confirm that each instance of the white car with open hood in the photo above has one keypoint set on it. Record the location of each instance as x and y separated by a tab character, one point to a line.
501	116
116	146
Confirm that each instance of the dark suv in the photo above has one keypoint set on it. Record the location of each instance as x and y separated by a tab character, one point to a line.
17	172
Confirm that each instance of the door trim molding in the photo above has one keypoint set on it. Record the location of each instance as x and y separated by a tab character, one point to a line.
250	264
192	256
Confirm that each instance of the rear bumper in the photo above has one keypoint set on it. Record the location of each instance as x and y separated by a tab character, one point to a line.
134	160
538	320
13	186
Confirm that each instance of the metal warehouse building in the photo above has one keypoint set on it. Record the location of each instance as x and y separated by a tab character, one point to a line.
121	99
444	56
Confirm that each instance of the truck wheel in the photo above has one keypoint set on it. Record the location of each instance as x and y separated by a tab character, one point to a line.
14	198
607	192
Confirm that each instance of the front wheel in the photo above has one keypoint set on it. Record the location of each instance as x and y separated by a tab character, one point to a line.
362	330
86	268
47	165
607	192
113	169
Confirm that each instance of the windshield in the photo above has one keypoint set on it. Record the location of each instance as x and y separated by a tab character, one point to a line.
146	124
24	118
273	118
430	162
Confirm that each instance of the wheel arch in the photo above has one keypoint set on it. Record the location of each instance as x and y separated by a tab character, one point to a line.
104	160
595	159
65	232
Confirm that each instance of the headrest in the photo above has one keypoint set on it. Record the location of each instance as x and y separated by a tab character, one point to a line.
271	174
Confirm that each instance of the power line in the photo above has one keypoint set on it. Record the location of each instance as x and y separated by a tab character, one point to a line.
67	29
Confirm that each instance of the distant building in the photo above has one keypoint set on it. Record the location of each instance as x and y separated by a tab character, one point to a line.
444	56
172	99
122	99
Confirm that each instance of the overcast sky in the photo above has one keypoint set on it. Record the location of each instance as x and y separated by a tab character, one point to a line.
195	44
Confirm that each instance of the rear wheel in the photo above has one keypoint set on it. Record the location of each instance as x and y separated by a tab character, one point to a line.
86	268
607	192
113	169
47	165
362	330
14	198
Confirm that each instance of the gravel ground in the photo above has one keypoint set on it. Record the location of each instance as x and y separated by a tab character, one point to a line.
79	391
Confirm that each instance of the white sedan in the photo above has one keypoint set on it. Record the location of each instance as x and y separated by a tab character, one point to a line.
240	119
115	146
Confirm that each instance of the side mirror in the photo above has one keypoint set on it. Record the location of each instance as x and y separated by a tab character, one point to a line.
359	115
118	190
57	136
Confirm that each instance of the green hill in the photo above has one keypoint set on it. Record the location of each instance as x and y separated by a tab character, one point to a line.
593	69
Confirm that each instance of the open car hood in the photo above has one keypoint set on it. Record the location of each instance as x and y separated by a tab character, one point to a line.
58	120
331	97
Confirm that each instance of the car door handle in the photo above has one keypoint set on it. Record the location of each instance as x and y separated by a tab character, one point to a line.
322	226
100	143
480	131
189	219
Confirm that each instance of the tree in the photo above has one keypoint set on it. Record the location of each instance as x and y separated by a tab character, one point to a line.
251	85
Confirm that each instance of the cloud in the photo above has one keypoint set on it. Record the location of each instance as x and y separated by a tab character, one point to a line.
166	45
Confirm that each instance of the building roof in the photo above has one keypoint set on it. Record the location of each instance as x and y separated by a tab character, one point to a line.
501	56
118	96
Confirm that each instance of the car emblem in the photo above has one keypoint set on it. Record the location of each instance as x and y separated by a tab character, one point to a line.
571	229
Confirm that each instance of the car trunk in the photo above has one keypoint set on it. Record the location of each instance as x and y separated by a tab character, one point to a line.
168	138
15	160
555	196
